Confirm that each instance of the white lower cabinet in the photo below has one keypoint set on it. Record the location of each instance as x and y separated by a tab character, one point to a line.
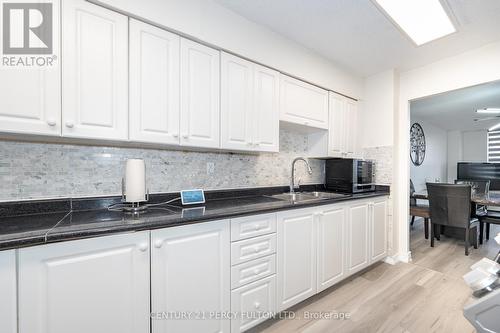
253	303
378	230
296	270
97	285
8	304
190	275
357	236
331	246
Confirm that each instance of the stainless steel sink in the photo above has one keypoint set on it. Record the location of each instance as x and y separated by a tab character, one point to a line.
307	196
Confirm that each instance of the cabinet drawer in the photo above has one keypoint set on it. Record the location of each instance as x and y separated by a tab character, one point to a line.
248	249
251	226
252	271
253	303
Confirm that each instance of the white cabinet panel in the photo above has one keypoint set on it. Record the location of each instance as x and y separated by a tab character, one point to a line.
302	103
378	230
8	303
257	300
236	102
31	96
200	95
97	285
95	72
252	226
190	271
296	253
331	246
342	136
248	249
154	84
357	236
266	110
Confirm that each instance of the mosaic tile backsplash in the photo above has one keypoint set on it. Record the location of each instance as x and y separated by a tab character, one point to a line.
42	170
383	163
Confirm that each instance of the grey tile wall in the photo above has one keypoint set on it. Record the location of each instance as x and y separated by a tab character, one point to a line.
383	163
41	170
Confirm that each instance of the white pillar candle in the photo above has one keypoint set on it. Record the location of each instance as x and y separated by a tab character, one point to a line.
135	180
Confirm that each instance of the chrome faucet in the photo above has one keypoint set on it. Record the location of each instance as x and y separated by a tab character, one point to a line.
292	180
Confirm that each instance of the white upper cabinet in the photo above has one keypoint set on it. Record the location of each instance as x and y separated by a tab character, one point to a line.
31	96
249	105
302	103
97	285
236	102
94	72
266	109
342	141
8	290
200	95
154	84
190	272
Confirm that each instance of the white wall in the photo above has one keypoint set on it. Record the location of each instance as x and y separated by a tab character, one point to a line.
475	146
455	153
435	165
377	110
214	24
467	69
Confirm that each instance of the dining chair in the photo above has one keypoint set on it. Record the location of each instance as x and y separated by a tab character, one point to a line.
450	206
481	188
419	210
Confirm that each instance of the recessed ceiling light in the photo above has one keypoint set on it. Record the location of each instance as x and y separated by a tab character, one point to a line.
488	110
422	20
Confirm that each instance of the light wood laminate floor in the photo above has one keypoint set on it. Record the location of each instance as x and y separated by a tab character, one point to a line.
426	295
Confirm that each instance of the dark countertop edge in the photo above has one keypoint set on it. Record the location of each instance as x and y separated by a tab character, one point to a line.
91	233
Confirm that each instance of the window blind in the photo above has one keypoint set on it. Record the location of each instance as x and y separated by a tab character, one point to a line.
494	147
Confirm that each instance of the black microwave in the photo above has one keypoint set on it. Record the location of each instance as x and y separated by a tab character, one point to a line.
350	175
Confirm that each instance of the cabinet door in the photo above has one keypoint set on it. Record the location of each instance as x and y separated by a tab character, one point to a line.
303	103
200	94
357	237
378	230
8	304
296	271
154	84
236	102
351	127
331	247
95	72
190	272
31	96
266	110
337	131
97	285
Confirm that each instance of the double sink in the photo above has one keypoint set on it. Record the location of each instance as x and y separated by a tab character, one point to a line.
298	197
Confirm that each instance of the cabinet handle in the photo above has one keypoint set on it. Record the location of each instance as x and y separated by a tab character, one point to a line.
256	227
185	136
51	122
143	247
158	243
249	143
175	135
256	250
69	124
256	305
256	271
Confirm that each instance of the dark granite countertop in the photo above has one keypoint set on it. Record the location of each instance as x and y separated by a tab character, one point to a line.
40	222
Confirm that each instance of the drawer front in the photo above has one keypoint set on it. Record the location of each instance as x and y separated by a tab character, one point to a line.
253	303
252	271
248	249
252	226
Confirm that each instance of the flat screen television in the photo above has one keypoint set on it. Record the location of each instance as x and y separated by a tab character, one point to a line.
480	171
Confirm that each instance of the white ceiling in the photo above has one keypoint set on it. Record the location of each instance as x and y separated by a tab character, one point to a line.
455	110
358	37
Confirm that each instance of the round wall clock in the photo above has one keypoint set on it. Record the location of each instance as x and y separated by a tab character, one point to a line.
417	144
